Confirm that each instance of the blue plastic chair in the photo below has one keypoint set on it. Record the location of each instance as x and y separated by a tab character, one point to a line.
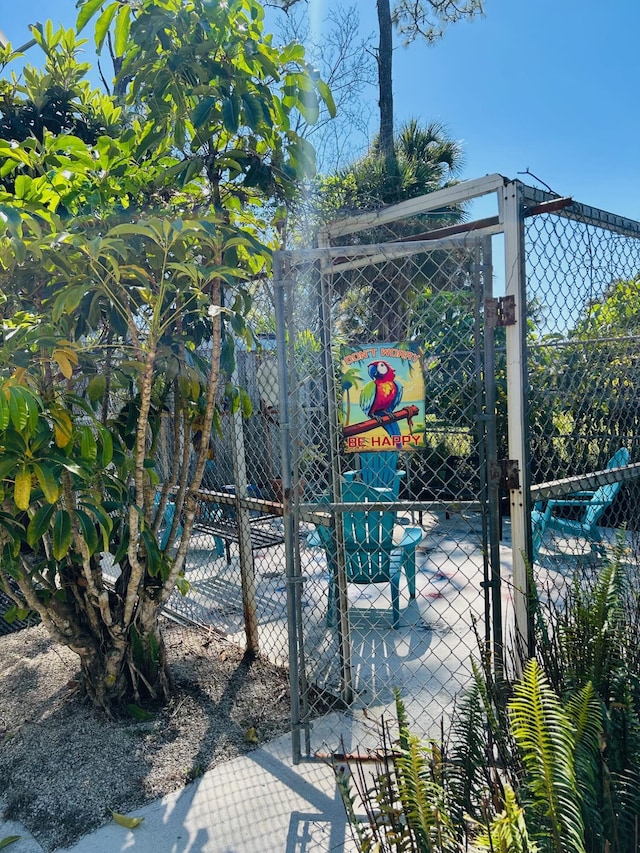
379	470
370	552
593	504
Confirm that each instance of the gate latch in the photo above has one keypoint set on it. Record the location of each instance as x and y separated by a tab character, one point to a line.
500	311
507	473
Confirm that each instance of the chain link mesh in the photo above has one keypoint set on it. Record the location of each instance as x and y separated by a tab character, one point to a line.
584	349
379	297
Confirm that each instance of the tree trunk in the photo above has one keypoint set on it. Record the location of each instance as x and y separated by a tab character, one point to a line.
133	670
385	83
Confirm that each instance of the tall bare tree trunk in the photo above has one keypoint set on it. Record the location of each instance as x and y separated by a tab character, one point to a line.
385	82
390	190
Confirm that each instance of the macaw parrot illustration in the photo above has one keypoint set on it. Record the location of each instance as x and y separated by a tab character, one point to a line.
382	395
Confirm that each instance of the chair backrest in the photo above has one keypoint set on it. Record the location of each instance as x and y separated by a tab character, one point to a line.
603	497
381	470
368	535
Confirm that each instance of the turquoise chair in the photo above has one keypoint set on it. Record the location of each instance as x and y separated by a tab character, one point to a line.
379	470
370	552
208	513
167	521
593	504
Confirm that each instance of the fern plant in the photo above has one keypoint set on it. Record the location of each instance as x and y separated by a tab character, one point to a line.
548	764
507	832
405	802
544	734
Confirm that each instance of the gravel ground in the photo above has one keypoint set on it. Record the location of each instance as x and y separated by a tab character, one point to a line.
65	767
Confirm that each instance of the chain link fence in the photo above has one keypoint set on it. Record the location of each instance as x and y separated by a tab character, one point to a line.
583	271
476	468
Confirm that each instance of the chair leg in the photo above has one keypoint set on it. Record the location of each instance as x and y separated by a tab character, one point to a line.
410	571
597	545
395	600
331	603
539	521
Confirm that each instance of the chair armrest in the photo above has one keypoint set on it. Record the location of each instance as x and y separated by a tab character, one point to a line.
313	539
574	500
411	537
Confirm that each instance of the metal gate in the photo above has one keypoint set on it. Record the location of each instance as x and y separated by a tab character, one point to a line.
426	297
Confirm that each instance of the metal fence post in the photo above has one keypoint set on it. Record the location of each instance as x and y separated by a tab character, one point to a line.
515	286
493	606
293	590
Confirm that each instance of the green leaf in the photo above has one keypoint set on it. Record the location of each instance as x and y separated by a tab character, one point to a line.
19	409
88	446
48	481
68	301
191	169
123	547
253	114
247	406
138	713
10	614
327	97
154	555
105	522
202	111
4	411
309	106
231	114
61	534
106	441
96	387
545	738
128	822
88	529
293	52
103	23
182	584
123	24
39	524
9	839
86	13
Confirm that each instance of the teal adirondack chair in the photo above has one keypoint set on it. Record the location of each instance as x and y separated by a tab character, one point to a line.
379	470
370	552
593	504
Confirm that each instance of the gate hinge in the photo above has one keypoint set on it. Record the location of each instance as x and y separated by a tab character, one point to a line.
506	472
500	311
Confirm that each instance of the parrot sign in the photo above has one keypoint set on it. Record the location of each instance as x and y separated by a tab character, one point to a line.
382	397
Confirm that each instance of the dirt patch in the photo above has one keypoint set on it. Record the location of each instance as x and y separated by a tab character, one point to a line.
66	767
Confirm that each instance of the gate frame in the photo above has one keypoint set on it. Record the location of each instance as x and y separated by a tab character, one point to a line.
509	222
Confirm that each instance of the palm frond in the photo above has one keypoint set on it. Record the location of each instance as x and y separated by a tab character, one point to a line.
471	770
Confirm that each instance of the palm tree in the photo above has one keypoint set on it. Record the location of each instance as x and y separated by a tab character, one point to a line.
426	159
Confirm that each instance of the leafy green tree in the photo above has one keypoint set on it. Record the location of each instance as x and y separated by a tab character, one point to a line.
584	386
127	232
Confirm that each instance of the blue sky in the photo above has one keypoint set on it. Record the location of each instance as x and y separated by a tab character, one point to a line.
549	85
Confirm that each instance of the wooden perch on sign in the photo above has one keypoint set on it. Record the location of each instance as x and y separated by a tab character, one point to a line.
373	423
